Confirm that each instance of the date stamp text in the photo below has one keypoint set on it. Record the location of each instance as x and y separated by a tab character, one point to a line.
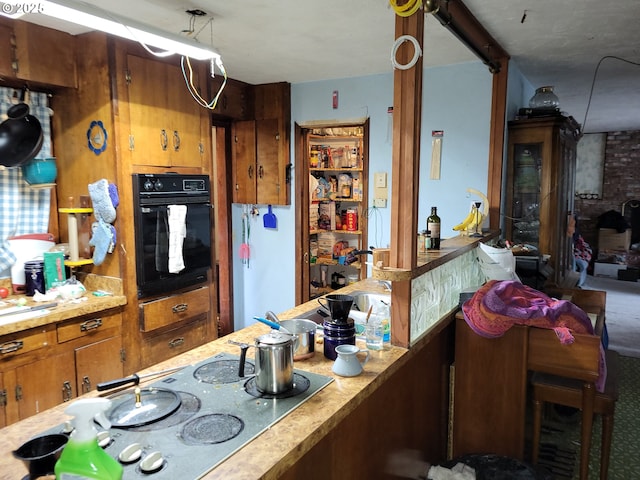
21	8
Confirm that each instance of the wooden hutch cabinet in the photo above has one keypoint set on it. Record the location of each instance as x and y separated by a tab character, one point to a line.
540	188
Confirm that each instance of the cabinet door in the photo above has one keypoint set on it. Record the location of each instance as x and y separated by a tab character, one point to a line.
269	178
45	383
243	151
98	362
3	402
148	93
183	121
7	45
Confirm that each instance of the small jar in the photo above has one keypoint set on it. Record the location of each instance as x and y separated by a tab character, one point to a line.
34	277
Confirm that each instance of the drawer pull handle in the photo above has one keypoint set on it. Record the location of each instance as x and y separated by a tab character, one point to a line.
176	141
176	342
67	392
180	307
10	347
86	384
90	325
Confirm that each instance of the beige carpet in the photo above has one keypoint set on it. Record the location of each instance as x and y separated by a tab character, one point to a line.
622	313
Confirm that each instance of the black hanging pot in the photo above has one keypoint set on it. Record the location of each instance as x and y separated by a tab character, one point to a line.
20	136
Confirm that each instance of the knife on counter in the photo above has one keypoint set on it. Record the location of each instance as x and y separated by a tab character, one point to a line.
17	310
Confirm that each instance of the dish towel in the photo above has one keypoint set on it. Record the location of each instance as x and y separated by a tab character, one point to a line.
177	234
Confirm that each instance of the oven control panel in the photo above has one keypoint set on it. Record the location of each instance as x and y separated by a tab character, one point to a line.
168	184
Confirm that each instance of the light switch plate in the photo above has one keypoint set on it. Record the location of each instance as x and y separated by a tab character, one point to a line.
380	179
380	202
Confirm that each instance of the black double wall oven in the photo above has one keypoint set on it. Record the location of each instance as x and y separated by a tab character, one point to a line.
155	232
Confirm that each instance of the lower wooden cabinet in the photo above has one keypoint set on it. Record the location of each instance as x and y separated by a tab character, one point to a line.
45	383
43	367
98	362
169	343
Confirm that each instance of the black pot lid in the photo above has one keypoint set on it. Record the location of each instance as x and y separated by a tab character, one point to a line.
153	404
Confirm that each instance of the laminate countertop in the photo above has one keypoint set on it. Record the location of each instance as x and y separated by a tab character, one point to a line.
64	310
284	443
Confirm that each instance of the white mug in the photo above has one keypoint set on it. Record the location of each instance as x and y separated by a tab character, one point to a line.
347	363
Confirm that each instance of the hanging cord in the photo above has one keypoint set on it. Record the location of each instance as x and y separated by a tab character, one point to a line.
406	10
593	82
214	62
417	51
187	73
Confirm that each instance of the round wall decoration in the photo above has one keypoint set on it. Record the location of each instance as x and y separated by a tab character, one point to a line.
97	137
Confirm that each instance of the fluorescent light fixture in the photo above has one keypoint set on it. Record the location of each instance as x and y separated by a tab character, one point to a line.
97	19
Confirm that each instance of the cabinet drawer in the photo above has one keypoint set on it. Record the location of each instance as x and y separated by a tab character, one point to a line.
88	326
169	344
26	341
167	311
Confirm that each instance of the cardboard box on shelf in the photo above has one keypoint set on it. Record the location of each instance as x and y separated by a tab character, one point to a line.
610	239
327	216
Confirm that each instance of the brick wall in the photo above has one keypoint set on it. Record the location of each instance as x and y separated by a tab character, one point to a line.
621	182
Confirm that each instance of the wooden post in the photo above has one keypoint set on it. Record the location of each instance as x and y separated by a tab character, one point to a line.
407	110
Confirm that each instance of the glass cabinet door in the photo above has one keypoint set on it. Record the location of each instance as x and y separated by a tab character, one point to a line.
525	209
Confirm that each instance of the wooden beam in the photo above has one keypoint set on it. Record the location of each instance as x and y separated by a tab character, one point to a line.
496	144
407	111
456	17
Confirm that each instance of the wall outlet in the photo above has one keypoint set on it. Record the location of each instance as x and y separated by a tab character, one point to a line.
380	202
380	179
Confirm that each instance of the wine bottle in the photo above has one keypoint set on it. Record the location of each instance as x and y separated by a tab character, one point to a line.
433	225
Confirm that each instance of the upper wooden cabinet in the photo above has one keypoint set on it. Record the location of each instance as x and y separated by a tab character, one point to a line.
165	120
260	149
37	54
541	186
235	100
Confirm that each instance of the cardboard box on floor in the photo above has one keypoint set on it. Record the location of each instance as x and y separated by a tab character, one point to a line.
610	239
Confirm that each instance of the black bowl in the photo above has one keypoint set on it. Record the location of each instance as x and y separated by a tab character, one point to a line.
20	136
40	454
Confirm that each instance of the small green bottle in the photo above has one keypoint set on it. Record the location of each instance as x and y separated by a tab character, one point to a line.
433	225
82	457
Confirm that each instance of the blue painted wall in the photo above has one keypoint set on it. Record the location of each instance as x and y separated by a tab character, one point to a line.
456	99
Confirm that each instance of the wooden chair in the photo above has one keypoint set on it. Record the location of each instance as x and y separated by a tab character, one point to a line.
577	393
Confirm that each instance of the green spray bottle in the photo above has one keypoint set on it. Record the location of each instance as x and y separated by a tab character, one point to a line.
82	457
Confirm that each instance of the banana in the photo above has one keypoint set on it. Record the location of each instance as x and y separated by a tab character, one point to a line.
477	221
468	219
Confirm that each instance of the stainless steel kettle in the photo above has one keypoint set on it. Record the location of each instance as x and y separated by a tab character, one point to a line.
273	361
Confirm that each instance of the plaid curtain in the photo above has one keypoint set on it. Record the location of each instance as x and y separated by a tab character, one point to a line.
23	209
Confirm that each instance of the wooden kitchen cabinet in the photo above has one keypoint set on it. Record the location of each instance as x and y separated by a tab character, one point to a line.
45	383
43	367
260	149
165	120
540	188
170	310
98	362
235	100
174	324
168	343
37	54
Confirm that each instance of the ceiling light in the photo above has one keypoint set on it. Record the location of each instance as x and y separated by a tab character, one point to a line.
97	19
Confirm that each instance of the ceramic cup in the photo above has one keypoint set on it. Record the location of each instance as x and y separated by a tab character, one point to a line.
348	364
